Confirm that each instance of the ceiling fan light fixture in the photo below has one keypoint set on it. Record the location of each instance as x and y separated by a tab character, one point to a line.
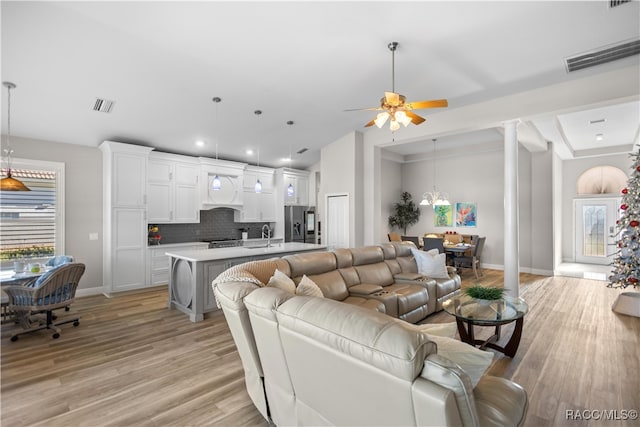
9	183
381	119
394	125
402	117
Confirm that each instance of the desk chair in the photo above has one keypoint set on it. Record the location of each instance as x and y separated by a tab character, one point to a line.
473	261
429	243
54	289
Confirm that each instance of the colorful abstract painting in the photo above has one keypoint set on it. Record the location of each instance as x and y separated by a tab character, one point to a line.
466	214
442	216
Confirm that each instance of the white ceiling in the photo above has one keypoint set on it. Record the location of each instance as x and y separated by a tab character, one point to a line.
163	62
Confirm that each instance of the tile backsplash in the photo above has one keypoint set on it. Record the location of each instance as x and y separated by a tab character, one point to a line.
214	224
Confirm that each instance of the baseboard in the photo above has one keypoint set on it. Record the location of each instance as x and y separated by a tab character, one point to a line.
85	292
537	271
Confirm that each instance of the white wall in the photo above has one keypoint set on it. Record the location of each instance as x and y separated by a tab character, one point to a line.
341	173
541	225
571	170
390	190
83	197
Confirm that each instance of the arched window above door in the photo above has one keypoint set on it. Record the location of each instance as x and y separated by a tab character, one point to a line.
601	180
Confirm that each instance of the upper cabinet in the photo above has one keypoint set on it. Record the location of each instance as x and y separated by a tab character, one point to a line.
125	170
294	186
173	187
258	207
230	192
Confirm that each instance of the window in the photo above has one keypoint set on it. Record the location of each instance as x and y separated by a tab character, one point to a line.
32	222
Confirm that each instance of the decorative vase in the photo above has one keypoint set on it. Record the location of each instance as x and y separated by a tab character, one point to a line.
627	303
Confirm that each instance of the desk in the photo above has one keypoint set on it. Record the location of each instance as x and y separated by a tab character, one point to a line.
471	311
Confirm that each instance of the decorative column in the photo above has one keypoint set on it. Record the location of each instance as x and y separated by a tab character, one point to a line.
511	254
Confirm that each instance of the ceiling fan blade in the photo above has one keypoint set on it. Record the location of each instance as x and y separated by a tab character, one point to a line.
435	103
392	98
363	109
415	119
371	123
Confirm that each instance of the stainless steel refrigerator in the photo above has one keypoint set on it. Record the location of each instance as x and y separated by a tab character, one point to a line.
299	224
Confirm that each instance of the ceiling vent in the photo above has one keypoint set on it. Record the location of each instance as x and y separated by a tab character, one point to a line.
302	150
103	105
602	56
616	3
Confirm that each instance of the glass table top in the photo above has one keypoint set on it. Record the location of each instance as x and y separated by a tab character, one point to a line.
498	311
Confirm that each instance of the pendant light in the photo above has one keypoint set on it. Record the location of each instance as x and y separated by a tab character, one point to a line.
9	183
435	198
258	187
290	190
216	185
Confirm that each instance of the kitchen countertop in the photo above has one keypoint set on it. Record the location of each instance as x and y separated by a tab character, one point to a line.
241	252
176	245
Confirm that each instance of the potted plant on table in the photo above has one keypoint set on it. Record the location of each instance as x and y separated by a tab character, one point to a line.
484	294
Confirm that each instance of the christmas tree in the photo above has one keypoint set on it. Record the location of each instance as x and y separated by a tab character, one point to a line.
626	263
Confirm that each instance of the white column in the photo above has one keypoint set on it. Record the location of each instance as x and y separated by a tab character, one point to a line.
511	255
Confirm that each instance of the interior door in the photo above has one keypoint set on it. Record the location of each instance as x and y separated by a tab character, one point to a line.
595	228
337	222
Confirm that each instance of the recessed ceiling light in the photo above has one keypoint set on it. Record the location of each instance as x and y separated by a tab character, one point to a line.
200	143
286	159
249	152
599	137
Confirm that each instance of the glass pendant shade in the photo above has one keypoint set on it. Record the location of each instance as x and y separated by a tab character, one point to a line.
258	187
394	125
402	117
215	184
381	119
11	184
290	190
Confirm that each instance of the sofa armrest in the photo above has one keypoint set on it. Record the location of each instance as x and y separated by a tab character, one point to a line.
364	289
410	276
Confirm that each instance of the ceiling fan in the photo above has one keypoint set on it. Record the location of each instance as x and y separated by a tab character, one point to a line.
395	106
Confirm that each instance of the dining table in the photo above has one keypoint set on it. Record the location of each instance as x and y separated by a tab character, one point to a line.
457	249
11	278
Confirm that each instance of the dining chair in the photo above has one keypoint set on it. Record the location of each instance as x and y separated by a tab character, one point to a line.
58	260
429	243
473	261
54	289
413	239
394	237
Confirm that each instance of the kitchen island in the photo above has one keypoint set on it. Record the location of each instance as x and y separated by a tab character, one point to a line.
192	271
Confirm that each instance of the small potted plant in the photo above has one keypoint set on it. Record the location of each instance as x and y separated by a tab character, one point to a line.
483	293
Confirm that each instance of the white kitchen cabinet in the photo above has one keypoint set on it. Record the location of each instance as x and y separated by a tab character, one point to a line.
295	187
257	207
124	216
173	189
231	175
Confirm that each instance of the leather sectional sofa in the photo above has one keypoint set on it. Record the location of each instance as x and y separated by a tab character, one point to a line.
353	357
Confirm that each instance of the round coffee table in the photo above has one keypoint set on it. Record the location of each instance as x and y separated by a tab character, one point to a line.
471	311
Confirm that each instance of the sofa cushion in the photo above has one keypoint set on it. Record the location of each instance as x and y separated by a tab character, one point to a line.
410	296
376	274
367	255
344	258
331	284
309	288
500	402
311	263
282	281
366	303
379	340
431	263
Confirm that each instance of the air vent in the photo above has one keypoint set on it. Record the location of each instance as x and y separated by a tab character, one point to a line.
602	56
103	105
593	122
616	3
302	150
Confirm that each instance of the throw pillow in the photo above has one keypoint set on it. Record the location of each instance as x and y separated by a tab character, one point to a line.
472	361
431	263
282	281
309	288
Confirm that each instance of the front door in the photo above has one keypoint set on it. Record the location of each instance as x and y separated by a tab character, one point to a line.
595	229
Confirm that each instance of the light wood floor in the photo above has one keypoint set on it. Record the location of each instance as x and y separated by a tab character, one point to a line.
133	362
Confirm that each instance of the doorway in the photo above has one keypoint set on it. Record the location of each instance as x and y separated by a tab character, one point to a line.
595	229
337	221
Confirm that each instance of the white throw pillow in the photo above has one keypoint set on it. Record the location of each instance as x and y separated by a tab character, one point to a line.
309	288
471	360
282	281
431	263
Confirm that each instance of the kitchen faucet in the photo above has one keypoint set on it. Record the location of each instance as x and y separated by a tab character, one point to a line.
266	230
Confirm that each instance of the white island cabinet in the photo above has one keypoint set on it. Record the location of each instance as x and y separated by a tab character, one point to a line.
191	272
